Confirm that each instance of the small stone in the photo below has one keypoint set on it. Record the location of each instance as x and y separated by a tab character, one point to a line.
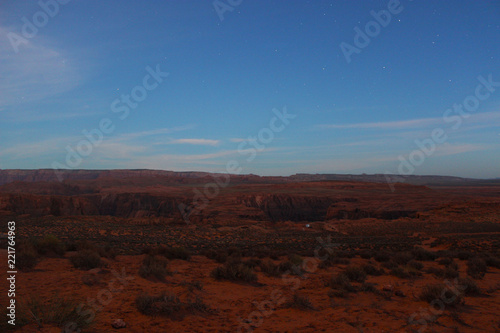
388	287
118	323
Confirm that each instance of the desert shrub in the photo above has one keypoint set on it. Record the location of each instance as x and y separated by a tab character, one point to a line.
382	256
468	286
300	302
366	254
453	265
234	271
445	261
423	255
50	244
107	251
372	270
295	259
91	279
175	253
389	264
219	256
415	265
289	267
492	261
154	267
340	293
198	285
56	311
252	263
476	267
464	255
439	272
197	305
340	282
435	292
402	258
355	273
405	272
332	261
165	304
450	273
269	268
369	287
26	256
86	259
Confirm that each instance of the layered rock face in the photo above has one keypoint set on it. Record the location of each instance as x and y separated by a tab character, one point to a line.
283	207
244	199
335	213
129	205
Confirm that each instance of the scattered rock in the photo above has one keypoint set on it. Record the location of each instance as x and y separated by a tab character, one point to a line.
388	287
118	323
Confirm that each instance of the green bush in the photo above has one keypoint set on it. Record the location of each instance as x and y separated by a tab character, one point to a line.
372	270
269	268
86	259
402	258
464	255
234	271
341	282
366	254
423	255
164	304
26	257
50	244
469	287
405	272
476	267
355	273
57	311
168	305
299	302
445	261
219	256
435	292
415	265
173	252
154	267
295	259
492	261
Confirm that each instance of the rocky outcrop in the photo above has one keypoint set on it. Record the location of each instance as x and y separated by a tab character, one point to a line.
283	207
129	205
51	175
335	213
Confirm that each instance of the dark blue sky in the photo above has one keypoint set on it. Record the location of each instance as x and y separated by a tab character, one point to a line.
375	113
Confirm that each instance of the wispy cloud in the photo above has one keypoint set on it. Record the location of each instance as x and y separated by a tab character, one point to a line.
447	149
413	123
38	72
203	142
159	131
237	140
387	125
